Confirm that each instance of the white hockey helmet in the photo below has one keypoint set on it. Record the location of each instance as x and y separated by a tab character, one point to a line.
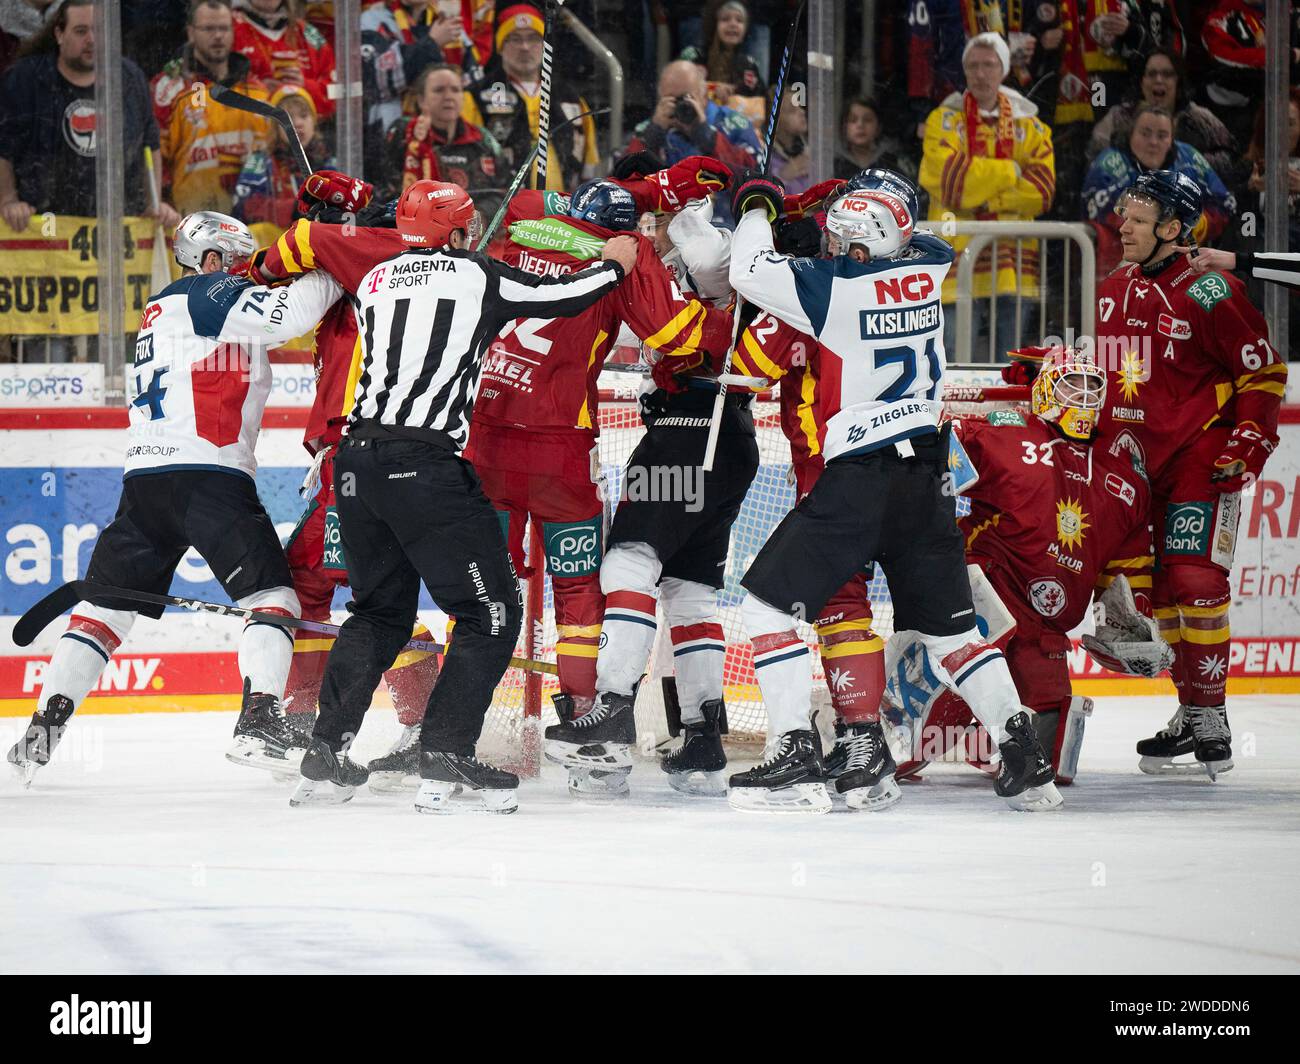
878	220
205	231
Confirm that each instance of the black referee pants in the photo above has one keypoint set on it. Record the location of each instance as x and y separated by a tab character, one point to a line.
412	511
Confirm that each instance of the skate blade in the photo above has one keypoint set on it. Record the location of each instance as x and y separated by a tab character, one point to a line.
252	753
800	798
1042	799
447	799
320	792
598	786
699	784
607	756
873	799
1214	769
394	782
1161	766
24	772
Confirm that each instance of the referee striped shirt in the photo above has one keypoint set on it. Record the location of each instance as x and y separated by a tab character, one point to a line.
426	318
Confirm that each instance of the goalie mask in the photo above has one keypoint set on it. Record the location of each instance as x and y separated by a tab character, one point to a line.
1069	392
205	231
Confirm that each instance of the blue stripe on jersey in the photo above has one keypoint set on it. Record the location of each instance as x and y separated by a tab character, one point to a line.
184	469
875	445
211	297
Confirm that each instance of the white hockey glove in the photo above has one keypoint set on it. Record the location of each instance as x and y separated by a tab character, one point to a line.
1126	641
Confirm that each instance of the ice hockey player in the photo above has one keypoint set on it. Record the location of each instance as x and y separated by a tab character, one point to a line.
874	308
1056	515
198	385
411	508
345	233
1195	381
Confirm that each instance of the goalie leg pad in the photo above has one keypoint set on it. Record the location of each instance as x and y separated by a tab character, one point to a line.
699	649
629	578
782	665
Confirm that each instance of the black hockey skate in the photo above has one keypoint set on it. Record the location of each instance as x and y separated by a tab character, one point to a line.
791	780
864	767
327	777
596	747
696	766
1025	778
456	783
399	769
1173	740
43	734
1211	738
263	738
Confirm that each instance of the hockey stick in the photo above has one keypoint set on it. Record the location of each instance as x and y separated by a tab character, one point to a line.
521	174
764	164
230	98
64	598
544	95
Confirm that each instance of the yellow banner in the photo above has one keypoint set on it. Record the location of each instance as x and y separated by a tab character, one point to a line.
49	275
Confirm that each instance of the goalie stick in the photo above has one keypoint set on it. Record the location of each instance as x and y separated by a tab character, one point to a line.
62	599
230	98
778	95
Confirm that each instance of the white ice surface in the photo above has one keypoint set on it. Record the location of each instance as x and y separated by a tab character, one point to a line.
150	853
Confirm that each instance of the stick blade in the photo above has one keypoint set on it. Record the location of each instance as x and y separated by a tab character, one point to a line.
50	608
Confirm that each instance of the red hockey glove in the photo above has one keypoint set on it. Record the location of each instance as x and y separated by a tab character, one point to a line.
1025	364
333	189
798	206
1243	458
695	177
753	188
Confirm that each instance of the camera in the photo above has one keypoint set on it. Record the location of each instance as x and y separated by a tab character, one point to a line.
684	112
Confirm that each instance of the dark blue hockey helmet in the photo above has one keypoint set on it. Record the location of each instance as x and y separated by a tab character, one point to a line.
1176	195
604	203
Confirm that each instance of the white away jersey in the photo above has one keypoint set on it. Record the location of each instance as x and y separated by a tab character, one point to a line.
200	378
880	326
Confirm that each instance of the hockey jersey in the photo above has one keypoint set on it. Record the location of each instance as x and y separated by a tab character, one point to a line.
1183	351
879	328
200	376
1056	516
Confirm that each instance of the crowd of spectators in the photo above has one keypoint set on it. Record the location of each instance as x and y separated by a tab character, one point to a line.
998	110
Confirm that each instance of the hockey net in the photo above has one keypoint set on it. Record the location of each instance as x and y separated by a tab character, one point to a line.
522	704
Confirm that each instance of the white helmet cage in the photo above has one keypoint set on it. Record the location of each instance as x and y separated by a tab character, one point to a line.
205	231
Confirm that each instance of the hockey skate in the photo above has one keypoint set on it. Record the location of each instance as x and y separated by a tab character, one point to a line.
596	747
862	767
399	769
1026	779
328	778
43	734
1176	740
454	783
302	725
1211	738
263	739
696	766
791	780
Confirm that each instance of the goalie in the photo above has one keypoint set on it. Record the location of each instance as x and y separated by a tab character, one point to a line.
1056	514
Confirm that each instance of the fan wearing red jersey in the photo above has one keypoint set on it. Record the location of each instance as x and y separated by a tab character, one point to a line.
1057	514
1196	383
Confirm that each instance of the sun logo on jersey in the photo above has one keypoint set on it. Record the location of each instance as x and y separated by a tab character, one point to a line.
1130	374
1070	523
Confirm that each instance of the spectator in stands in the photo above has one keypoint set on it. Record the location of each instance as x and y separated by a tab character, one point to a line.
732	75
20	20
1105	23
1233	35
988	157
936	34
415	33
440	145
203	143
686	122
863	143
47	126
791	159
284	50
1152	25
1151	146
267	187
506	102
1163	84
475	21
153	31
1256	157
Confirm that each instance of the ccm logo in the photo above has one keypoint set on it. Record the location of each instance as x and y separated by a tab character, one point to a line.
914	286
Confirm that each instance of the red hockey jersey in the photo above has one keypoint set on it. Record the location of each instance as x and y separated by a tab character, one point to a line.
1182	352
295	45
1059	517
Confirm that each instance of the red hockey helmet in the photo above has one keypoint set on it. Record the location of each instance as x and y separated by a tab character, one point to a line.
430	211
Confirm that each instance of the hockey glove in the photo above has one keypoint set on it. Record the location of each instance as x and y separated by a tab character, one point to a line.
330	188
695	177
800	238
1243	458
1127	641
636	164
755	189
804	203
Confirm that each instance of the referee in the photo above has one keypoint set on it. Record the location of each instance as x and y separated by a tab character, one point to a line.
411	509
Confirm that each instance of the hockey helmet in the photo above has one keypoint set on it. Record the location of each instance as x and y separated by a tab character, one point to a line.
1175	195
605	203
878	210
1069	391
430	211
205	231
